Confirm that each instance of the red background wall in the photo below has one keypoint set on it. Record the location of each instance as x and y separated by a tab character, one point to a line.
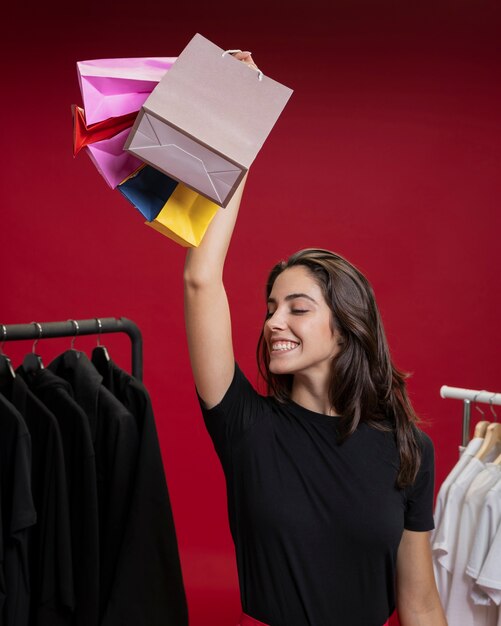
389	152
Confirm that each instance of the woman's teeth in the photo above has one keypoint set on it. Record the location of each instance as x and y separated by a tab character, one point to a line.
284	346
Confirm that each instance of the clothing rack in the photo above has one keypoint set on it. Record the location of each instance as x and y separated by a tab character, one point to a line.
468	396
76	328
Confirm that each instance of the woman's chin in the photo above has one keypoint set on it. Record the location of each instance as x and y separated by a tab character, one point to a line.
276	367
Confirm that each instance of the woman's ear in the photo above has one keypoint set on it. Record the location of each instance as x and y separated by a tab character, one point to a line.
338	335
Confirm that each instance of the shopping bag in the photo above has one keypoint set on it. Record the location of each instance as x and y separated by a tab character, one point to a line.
115	87
170	207
207	119
148	190
185	217
84	134
110	159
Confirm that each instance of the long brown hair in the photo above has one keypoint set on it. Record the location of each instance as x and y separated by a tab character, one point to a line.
365	386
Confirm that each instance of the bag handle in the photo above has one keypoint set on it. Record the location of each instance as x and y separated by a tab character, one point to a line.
259	72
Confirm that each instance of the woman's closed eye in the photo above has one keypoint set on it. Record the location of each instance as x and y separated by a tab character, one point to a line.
293	311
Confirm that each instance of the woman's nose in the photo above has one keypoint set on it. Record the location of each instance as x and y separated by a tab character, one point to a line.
276	321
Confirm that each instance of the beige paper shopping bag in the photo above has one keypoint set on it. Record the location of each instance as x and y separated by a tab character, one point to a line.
207	119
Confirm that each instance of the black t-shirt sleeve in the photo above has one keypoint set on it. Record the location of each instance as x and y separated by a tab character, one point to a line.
233	416
419	505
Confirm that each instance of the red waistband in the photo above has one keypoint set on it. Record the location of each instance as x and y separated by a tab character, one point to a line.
247	620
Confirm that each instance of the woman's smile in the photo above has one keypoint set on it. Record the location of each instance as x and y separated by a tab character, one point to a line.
280	346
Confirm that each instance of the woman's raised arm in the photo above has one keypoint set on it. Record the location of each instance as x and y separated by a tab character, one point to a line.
207	314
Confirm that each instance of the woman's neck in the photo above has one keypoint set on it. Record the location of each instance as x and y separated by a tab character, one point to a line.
312	395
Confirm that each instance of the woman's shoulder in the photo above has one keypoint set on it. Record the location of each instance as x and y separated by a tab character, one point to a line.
424	440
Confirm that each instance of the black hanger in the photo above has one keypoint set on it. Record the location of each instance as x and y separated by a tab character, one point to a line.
32	362
6	369
72	355
100	357
77	330
7	373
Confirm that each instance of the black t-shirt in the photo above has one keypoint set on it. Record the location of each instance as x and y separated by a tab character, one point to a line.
17	516
148	585
80	463
115	438
50	563
316	525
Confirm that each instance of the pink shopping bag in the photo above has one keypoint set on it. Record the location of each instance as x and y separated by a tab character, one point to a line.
114	87
111	161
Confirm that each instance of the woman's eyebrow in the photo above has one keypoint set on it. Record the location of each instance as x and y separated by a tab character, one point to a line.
293	296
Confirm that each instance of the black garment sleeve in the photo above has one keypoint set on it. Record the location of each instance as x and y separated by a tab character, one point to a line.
419	497
233	416
148	586
116	459
18	515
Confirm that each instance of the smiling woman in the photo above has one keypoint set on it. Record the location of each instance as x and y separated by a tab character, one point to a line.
321	301
329	480
299	336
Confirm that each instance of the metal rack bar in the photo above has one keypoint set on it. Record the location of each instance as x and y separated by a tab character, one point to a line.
468	396
17	332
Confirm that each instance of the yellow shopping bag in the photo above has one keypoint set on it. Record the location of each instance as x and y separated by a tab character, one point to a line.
169	207
185	216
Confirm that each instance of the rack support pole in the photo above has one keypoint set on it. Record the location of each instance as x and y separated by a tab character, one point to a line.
466	421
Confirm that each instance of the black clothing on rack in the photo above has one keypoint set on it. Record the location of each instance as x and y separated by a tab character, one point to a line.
57	396
148	586
138	578
115	438
17	515
50	565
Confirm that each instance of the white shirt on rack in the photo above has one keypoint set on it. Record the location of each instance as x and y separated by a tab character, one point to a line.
461	611
490	575
445	539
466	455
442	576
488	524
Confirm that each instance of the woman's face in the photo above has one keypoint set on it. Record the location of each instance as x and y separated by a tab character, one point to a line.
299	330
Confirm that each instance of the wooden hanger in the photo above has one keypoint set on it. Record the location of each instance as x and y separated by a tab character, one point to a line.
481	429
492	438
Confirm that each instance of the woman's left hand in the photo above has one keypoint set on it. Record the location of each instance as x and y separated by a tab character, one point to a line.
246	57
